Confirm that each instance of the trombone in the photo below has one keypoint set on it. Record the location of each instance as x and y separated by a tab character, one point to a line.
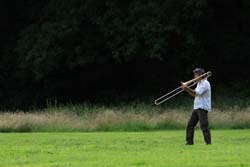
178	90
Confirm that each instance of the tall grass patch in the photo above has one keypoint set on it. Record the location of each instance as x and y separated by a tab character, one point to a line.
135	117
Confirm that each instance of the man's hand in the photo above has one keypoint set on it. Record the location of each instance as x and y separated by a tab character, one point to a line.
183	86
187	89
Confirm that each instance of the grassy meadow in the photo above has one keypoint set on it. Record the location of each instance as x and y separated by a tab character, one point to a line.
230	148
138	134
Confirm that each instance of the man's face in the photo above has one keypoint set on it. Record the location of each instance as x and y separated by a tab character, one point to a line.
196	75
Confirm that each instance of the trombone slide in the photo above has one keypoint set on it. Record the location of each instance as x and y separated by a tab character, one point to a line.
178	90
170	94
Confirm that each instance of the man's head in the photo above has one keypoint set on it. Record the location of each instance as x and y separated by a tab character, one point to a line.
199	71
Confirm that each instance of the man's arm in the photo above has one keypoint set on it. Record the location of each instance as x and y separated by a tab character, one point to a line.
187	89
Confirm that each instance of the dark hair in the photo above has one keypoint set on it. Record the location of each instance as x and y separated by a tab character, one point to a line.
199	71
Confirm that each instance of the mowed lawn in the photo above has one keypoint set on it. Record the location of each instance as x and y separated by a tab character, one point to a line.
230	148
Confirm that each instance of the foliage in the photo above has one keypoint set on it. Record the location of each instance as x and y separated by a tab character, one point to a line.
57	49
69	34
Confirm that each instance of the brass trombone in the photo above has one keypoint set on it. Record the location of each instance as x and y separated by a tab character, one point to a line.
178	90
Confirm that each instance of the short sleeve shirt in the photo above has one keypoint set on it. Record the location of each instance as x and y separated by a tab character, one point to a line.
202	98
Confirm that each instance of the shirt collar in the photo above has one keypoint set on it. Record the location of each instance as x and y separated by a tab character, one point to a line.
202	80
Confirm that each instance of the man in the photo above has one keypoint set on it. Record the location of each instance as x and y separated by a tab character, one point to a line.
202	105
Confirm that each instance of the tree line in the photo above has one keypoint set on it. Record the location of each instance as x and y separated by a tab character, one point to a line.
88	50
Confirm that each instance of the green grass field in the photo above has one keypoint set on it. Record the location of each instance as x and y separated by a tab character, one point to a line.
230	148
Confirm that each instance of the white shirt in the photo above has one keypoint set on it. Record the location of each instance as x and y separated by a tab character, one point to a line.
203	95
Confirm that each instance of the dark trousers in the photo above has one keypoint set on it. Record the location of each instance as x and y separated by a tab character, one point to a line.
198	115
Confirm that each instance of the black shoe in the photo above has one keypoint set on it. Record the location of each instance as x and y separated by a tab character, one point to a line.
189	143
